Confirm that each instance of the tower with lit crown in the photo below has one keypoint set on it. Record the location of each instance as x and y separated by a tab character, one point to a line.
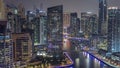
113	29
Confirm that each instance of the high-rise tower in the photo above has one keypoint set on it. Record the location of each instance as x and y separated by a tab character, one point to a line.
102	26
89	23
113	29
55	25
6	45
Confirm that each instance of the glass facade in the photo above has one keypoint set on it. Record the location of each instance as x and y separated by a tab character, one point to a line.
102	17
39	22
6	47
43	30
36	31
89	23
114	29
74	24
55	25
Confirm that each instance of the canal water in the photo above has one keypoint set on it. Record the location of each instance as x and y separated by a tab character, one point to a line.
82	59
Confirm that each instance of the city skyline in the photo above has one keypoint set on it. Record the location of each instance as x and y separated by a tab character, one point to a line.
68	6
59	34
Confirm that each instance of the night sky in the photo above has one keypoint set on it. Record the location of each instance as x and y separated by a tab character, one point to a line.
68	5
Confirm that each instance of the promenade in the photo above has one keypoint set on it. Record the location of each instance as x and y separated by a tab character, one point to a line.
103	59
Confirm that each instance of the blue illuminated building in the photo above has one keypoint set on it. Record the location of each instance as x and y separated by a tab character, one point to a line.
113	29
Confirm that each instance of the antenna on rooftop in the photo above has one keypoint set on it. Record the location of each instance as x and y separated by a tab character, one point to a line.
34	7
41	6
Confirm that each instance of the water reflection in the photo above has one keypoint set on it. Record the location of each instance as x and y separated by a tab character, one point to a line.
77	60
88	60
92	62
97	63
82	59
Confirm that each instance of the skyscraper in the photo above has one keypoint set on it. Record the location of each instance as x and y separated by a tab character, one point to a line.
89	23
43	34
6	47
74	24
39	21
55	25
11	16
36	21
14	18
113	29
102	26
30	16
